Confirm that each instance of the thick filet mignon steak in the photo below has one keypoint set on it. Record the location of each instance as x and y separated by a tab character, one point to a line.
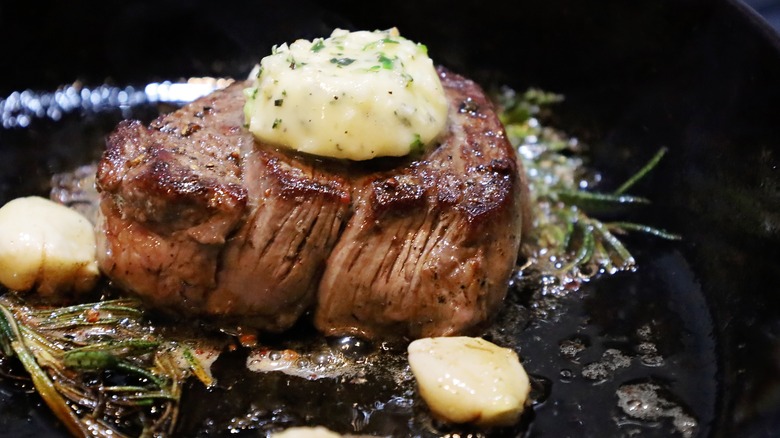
199	218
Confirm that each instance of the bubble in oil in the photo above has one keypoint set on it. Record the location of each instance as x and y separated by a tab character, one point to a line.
650	402
351	346
645	332
571	348
611	361
647	349
649	355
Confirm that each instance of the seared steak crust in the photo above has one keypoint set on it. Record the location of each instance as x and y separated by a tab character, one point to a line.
171	193
271	266
431	245
197	216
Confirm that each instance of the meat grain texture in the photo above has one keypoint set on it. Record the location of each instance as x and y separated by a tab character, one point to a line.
199	218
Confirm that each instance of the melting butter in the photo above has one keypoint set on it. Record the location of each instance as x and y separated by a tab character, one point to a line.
354	95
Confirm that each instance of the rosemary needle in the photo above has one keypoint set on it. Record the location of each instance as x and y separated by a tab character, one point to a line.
642	172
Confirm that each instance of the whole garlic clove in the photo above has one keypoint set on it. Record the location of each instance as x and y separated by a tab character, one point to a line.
46	246
469	380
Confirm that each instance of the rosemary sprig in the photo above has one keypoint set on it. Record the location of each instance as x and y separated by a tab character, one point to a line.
66	349
566	240
43	384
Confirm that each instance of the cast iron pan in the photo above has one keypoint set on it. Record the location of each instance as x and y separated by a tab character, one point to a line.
699	77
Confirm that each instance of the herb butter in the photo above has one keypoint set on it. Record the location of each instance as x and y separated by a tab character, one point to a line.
354	95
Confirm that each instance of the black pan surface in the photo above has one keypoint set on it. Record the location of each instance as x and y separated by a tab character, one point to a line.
699	77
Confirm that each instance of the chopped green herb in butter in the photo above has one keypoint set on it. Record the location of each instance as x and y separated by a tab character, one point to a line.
353	95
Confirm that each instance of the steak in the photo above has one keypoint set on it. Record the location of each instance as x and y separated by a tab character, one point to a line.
198	218
431	245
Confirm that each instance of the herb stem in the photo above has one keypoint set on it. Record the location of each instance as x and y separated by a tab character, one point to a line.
40	380
629	226
642	172
584	199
